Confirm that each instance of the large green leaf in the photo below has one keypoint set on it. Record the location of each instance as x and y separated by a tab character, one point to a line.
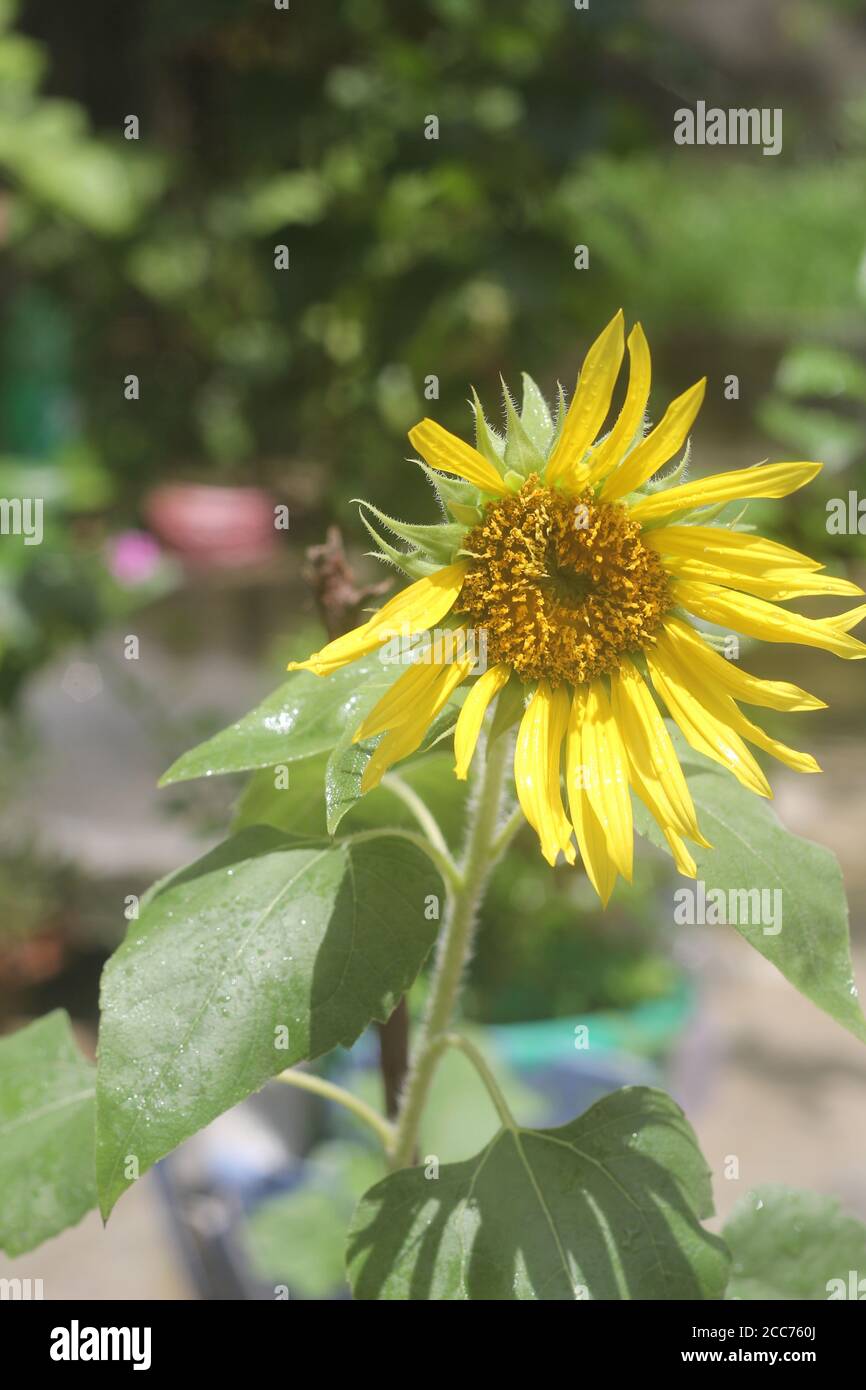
297	809
786	1244
264	953
47	1179
608	1206
304	716
753	850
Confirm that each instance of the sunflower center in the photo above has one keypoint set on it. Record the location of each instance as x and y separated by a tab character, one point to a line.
563	586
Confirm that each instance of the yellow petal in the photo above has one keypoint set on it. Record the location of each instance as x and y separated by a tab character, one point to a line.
702	729
560	706
340	652
654	768
730	678
722	706
721	546
402	700
778	585
411	611
472	714
609	452
408	736
766	480
591	839
536	769
659	446
396	744
682	858
606	774
791	757
589	405
449	454
843	622
756	618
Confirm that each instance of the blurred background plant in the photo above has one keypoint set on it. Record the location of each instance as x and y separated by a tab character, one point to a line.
416	266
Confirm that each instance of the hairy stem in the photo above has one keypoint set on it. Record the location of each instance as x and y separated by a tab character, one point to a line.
455	944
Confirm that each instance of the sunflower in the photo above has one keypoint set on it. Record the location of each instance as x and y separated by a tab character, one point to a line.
583	573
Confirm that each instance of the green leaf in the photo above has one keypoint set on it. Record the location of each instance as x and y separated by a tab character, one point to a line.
296	809
306	715
606	1207
264	953
47	1179
752	850
786	1244
299	1238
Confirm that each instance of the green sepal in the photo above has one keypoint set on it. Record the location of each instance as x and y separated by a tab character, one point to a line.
439	542
561	412
412	563
535	416
653	485
467	516
521	456
488	442
695	516
451	490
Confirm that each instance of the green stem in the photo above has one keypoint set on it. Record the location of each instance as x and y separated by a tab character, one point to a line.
308	1081
455	942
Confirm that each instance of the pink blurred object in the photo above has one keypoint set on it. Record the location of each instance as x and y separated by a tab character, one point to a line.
134	557
213	527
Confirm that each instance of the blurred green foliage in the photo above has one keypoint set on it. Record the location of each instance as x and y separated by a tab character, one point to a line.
818	407
409	257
